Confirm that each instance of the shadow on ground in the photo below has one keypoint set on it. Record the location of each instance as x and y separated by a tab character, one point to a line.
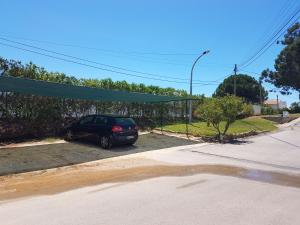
240	142
25	159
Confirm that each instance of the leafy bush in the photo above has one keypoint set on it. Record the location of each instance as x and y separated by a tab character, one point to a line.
216	110
295	107
247	111
267	110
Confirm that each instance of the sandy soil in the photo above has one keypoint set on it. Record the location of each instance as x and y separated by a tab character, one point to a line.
123	170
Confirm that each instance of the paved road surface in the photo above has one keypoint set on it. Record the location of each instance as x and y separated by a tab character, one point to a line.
31	158
264	188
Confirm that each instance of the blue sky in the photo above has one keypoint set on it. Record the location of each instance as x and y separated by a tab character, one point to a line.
158	37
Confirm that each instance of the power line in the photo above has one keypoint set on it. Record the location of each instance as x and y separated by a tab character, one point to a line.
111	53
84	64
91	66
247	71
259	55
263	49
274	24
103	50
270	42
213	84
94	62
90	61
118	54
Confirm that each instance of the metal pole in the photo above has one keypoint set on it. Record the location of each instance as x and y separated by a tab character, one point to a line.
161	118
277	102
186	119
191	85
260	93
234	85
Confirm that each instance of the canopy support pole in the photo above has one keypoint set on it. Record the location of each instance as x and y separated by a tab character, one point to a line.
6	106
186	119
161	118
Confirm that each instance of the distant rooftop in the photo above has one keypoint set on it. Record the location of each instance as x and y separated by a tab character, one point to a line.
274	101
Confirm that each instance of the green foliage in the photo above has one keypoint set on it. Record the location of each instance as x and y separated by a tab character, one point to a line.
49	114
32	71
247	111
216	110
200	129
295	107
246	87
267	110
286	76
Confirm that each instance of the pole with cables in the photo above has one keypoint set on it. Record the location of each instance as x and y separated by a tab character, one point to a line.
191	86
260	92
234	84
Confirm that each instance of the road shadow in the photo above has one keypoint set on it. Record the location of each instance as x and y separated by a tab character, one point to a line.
32	158
240	142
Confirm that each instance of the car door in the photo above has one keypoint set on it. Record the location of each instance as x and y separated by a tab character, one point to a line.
100	125
84	126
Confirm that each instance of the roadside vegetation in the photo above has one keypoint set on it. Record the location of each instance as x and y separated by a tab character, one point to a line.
225	109
247	87
223	118
286	73
24	117
201	129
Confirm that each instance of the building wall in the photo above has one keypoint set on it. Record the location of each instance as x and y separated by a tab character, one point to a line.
256	110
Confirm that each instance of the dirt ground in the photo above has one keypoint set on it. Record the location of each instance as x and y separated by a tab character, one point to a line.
40	157
121	171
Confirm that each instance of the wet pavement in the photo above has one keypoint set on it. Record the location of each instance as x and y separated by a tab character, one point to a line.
81	176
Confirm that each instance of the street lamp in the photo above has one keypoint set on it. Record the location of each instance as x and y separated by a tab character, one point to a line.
191	84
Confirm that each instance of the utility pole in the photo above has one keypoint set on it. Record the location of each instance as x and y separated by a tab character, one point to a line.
260	94
191	86
234	84
277	102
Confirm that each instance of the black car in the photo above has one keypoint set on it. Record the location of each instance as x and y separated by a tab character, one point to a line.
108	130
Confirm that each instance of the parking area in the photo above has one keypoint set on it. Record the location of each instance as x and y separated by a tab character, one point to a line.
25	159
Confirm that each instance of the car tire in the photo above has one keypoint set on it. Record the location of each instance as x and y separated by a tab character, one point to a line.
105	142
131	143
69	135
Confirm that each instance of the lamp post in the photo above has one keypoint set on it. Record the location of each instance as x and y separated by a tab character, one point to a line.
191	85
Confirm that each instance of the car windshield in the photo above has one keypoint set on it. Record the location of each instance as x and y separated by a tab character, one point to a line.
124	121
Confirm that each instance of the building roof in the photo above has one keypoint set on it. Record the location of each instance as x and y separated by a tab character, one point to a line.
271	102
274	102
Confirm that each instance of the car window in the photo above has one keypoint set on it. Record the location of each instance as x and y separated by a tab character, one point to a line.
124	121
100	120
86	120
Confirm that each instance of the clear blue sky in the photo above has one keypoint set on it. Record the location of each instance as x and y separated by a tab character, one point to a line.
160	37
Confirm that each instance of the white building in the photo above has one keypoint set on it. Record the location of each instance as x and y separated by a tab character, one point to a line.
276	105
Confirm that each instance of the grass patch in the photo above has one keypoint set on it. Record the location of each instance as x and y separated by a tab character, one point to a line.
238	127
51	139
296	115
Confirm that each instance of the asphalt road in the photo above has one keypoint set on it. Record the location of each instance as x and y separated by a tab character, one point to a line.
253	182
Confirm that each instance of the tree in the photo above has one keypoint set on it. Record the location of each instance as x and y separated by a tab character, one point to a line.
286	75
246	87
216	110
295	107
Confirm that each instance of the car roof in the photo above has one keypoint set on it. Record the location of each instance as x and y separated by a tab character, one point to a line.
108	115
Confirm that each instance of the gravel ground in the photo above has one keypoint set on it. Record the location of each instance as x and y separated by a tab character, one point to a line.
31	158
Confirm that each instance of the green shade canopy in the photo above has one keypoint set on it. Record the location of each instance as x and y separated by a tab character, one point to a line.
51	89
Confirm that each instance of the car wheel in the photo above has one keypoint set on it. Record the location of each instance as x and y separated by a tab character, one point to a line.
131	143
105	142
69	135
